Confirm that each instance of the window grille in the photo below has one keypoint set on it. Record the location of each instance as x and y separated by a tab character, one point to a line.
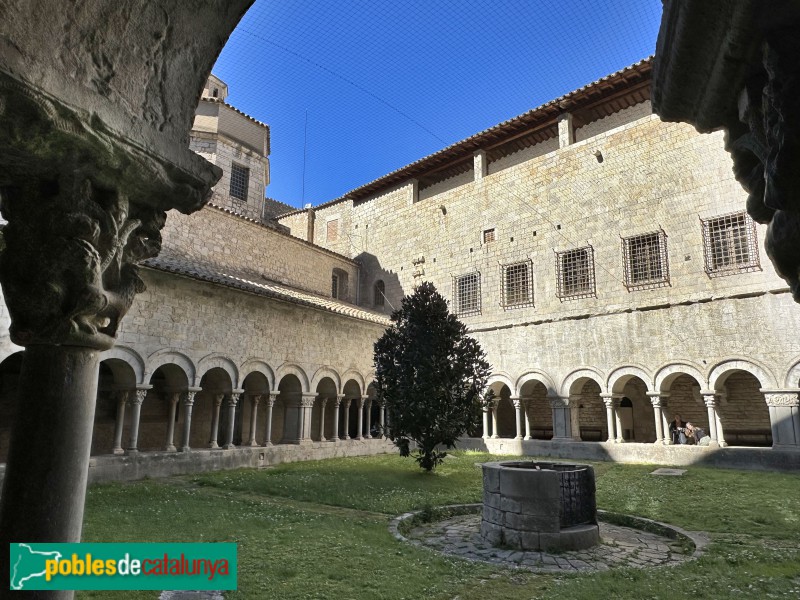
645	260
240	178
334	286
730	244
575	273
517	284
380	293
332	232
488	236
467	291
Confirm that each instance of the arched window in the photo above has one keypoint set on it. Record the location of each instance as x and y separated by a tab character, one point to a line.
339	285
380	293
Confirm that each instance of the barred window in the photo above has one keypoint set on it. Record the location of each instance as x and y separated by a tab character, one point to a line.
645	260
332	230
488	236
467	290
334	286
730	244
240	179
517	284
380	293
575	271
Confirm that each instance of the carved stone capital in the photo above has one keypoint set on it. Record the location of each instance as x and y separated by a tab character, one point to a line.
782	399
233	399
188	398
139	397
307	400
558	402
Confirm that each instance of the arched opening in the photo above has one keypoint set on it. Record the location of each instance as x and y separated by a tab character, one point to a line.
584	396
323	411
537	409
252	401
169	383
9	379
116	388
505	413
352	392
210	417
684	400
379	294
286	413
635	411
376	429
742	410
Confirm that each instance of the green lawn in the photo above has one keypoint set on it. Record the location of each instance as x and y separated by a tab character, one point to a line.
319	530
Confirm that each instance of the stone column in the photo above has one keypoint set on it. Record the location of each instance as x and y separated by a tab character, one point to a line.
575	416
368	408
360	434
486	422
306	406
784	417
710	400
608	400
323	403
188	406
337	401
383	420
136	411
119	424
173	399
273	395
217	400
88	173
618	419
346	418
518	412
254	400
233	400
720	429
526	407
493	408
562	423
659	401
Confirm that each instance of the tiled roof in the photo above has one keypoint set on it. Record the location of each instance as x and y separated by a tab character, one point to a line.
263	287
637	73
220	101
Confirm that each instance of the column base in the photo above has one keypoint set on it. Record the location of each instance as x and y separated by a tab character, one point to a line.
131	451
495	436
186	449
368	437
213	445
170	449
253	443
228	447
118	451
267	444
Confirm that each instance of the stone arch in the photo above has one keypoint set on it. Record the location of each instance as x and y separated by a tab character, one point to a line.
501	377
292	369
323	372
579	377
793	375
167	356
620	376
667	374
720	372
355	376
129	356
537	375
255	365
218	361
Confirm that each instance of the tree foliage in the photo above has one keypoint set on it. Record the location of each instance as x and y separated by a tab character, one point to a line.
431	375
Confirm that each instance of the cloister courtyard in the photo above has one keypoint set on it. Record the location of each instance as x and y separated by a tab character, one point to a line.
320	530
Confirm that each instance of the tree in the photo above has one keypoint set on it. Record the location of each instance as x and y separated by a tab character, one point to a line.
431	375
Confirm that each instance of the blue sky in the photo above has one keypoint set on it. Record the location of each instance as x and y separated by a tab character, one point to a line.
354	89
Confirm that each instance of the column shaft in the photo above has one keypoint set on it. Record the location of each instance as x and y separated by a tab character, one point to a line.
360	435
518	414
323	403
173	410
254	399
368	408
337	402
485	422
233	400
136	411
212	443
270	404
119	424
188	406
609	402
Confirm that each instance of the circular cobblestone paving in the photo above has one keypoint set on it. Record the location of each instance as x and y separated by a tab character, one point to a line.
620	546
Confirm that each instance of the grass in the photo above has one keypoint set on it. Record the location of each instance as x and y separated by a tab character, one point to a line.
318	530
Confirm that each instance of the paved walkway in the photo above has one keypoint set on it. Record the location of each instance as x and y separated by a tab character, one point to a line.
620	547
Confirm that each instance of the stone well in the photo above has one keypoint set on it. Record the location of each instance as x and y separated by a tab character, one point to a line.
539	506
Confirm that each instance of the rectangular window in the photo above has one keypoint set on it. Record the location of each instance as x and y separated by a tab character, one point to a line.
488	236
332	232
730	244
240	179
334	286
575	272
517	284
467	289
645	260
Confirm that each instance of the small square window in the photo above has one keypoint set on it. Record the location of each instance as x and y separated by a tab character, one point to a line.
467	292
730	244
575	272
645	260
332	230
240	179
488	236
517	285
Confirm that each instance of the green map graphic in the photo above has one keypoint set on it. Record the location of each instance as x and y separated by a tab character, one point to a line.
28	564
